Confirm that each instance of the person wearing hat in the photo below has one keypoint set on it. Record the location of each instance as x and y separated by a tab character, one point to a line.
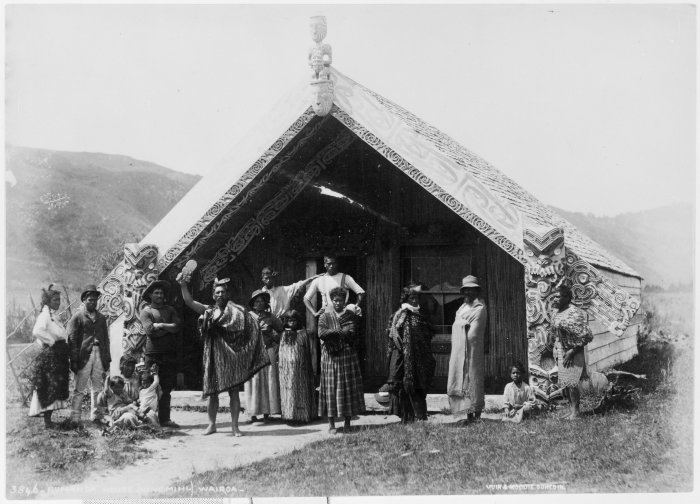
233	349
465	378
161	324
262	392
88	347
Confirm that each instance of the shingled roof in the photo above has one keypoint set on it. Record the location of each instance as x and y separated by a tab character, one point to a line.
506	189
486	198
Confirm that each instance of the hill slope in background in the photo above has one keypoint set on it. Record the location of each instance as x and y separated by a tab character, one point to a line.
658	243
67	209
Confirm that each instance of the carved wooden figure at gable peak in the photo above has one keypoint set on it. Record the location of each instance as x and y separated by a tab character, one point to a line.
320	59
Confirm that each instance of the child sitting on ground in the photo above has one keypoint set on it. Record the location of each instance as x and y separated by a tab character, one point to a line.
518	397
148	396
122	411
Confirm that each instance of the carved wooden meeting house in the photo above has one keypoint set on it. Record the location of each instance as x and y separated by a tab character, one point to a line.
338	168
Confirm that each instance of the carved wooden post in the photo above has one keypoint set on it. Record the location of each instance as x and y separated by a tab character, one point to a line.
122	290
320	59
545	253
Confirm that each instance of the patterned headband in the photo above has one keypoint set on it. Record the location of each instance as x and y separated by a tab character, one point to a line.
219	282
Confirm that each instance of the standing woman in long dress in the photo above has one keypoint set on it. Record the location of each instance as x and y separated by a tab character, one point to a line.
341	380
262	391
411	361
296	370
571	334
465	379
51	369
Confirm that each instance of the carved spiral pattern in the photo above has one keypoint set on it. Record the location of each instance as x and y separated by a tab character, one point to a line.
534	308
608	303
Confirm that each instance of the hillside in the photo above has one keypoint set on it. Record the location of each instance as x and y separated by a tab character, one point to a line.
658	243
67	209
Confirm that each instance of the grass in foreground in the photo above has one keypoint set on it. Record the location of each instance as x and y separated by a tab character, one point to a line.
648	449
38	458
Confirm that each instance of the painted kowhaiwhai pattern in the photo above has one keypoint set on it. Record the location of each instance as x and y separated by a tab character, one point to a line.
255	225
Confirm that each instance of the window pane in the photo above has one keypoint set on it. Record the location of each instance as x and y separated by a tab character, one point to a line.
453	269
426	270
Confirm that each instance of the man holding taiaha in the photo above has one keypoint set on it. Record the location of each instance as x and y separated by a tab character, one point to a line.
233	349
161	324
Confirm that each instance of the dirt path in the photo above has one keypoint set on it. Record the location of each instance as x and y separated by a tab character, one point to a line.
187	452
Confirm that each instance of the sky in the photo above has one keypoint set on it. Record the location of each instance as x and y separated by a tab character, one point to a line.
591	108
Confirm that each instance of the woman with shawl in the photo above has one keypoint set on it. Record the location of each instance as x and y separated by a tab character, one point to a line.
411	361
262	392
571	334
465	379
51	369
296	370
341	381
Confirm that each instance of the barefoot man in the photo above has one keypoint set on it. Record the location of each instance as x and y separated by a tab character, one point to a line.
233	349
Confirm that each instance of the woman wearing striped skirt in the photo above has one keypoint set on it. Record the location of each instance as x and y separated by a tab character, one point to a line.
341	381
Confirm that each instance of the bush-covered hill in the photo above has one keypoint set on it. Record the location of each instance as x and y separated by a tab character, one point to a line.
68	209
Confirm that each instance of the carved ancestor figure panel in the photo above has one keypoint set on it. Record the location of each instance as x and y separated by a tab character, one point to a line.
122	290
549	262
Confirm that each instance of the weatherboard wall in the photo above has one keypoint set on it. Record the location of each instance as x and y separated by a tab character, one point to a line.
607	349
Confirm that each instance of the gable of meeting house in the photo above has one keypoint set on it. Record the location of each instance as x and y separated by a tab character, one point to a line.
219	218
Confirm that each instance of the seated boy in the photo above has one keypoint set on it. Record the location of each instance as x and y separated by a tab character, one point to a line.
518	397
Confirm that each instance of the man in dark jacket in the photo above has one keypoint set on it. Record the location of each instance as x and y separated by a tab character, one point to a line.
88	344
161	325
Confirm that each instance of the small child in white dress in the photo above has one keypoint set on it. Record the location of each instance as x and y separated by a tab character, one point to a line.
518	397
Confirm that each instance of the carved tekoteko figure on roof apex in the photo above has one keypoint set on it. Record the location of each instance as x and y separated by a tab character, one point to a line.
320	59
320	54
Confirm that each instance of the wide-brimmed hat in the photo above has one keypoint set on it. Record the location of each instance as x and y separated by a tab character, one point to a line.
383	397
257	294
470	281
158	284
89	289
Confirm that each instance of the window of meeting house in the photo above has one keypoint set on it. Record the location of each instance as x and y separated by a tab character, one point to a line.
439	270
